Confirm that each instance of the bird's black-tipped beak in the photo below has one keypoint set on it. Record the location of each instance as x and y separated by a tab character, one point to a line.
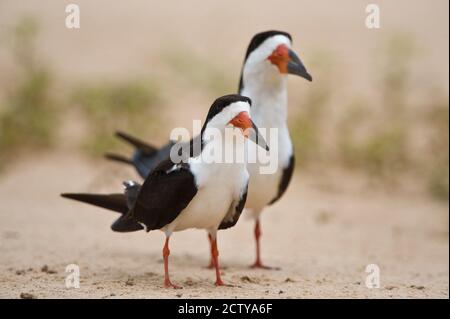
295	66
249	129
257	138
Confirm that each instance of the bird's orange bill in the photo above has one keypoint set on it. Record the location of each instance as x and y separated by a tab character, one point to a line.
249	129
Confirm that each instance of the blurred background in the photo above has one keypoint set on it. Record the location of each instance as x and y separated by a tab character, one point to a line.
378	105
376	116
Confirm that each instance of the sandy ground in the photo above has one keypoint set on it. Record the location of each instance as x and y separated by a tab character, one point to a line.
322	234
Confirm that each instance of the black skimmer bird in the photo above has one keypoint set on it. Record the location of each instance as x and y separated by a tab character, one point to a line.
268	61
198	192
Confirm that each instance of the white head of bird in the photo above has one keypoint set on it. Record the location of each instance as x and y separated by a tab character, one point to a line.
269	59
227	126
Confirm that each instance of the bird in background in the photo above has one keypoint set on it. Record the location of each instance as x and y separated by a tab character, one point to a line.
194	193
268	62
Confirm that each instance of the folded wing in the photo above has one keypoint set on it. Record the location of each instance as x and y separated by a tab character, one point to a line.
166	192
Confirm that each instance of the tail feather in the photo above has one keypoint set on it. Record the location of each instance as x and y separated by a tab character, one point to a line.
144	147
114	202
118	158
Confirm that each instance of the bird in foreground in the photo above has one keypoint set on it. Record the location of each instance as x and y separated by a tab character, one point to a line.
195	193
268	61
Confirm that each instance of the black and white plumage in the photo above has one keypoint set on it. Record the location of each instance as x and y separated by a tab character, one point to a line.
197	193
268	60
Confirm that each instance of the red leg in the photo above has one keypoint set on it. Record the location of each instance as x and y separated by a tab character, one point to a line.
215	259
258	263
166	253
211	260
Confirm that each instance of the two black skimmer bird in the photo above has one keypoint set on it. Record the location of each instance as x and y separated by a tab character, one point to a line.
268	61
198	192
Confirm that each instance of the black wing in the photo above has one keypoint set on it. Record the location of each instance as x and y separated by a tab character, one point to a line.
145	163
147	157
236	208
165	193
285	179
137	143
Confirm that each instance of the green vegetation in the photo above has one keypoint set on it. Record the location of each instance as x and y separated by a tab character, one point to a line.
436	161
28	115
377	137
307	126
384	138
307	132
198	72
383	152
107	107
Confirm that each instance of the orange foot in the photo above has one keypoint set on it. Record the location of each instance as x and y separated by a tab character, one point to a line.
221	283
169	284
259	265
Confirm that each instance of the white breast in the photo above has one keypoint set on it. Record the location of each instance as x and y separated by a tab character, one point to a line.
269	110
218	186
263	188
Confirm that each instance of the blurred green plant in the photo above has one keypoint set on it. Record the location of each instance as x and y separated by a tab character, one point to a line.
382	153
307	125
383	150
199	72
436	162
108	107
307	129
377	139
28	116
395	66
